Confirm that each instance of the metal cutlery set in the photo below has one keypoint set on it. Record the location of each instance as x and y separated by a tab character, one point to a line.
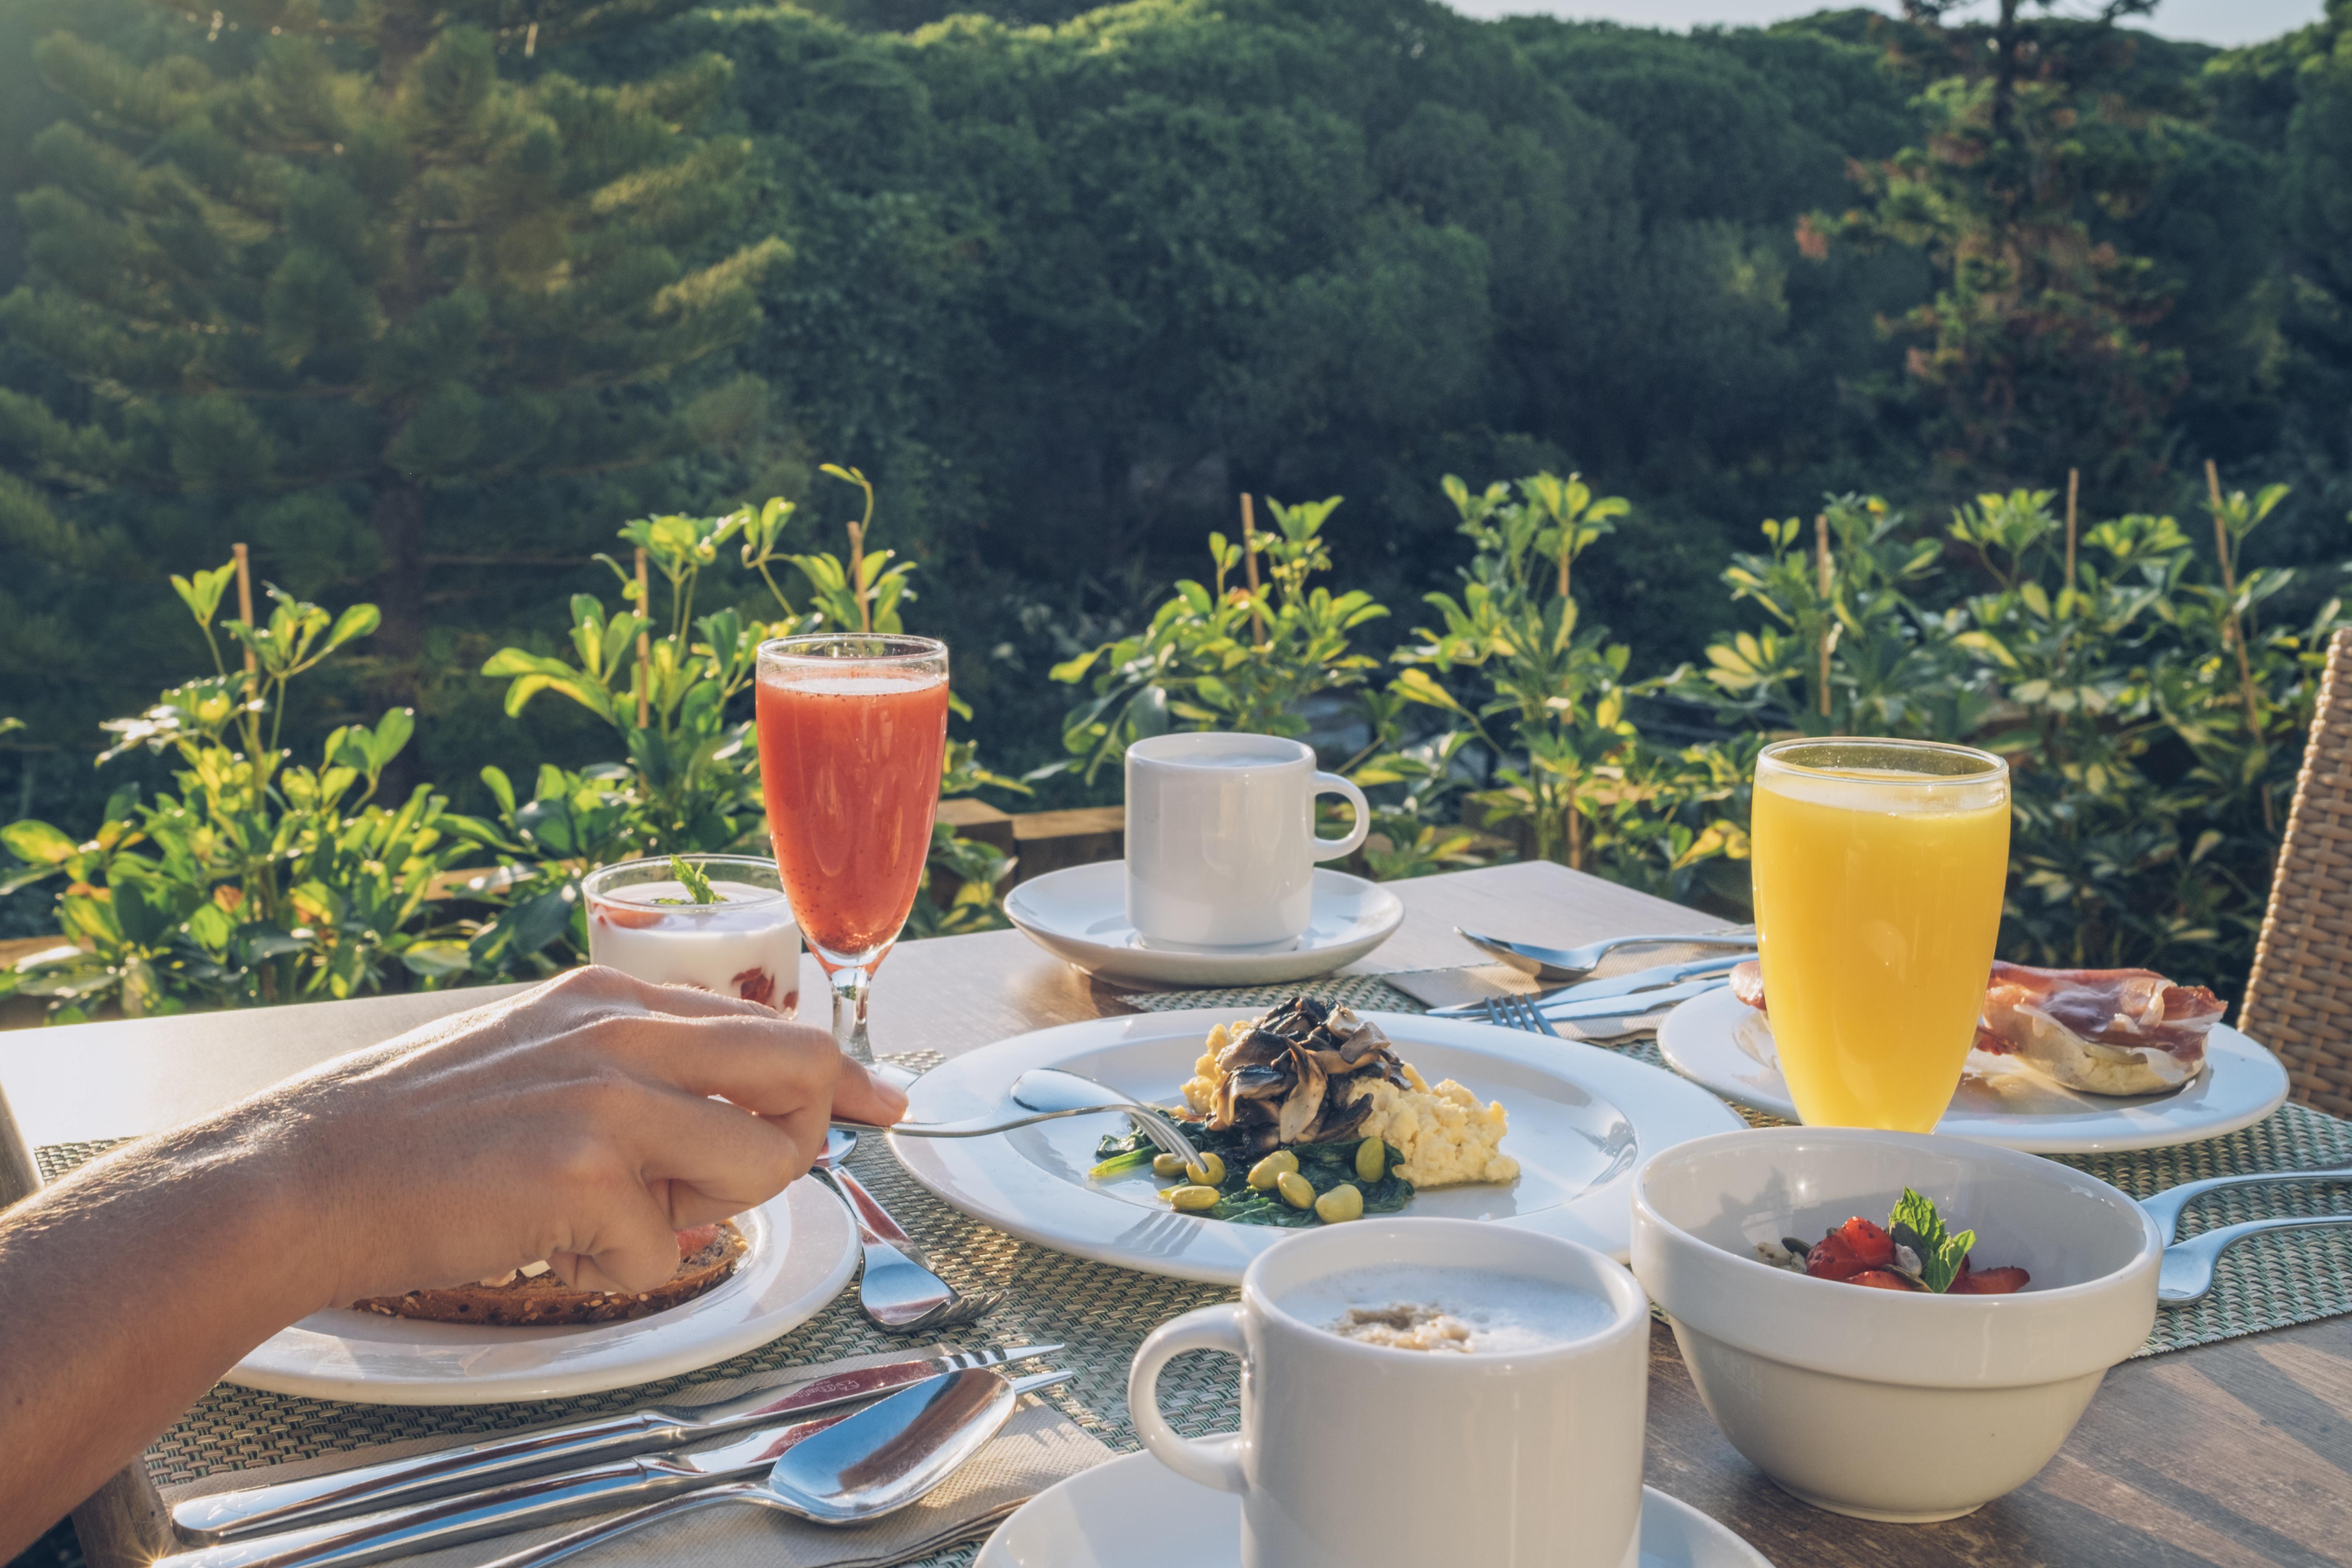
795	1450
1619	996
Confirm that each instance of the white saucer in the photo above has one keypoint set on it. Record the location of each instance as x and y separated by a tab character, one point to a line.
1719	1041
1135	1513
804	1249
1080	914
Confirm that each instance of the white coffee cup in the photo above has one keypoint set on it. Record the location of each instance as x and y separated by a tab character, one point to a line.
1507	1459
1221	845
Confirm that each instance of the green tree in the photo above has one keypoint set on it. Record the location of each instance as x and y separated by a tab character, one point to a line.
2033	353
320	299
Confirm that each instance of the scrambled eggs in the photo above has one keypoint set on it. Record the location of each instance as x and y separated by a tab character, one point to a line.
1445	1136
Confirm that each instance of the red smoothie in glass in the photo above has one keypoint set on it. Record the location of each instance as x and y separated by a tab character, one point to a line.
850	767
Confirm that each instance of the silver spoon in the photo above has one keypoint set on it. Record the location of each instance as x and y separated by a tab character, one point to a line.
2186	1274
1576	963
877	1461
896	1290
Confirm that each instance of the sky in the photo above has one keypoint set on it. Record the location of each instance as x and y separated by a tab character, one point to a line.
2206	21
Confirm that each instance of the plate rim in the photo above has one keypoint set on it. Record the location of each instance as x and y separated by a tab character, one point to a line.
660	1354
1169	967
1727	1540
2240	1047
917	1154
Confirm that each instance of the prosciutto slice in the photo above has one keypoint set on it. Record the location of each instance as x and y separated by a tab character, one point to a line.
2103	1031
2109	1031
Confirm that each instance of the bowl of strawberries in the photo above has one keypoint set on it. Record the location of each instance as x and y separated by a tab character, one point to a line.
1893	1326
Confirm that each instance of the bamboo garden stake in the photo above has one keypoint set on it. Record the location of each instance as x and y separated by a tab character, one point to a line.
245	603
1249	565
2233	631
2074	488
1829	618
645	640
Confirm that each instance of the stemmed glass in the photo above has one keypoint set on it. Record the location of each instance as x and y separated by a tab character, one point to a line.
852	728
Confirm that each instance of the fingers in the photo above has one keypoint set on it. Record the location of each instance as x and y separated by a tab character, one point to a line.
764	1064
630	1248
860	1095
726	1156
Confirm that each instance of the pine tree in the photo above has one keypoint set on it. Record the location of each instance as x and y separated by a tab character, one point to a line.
2033	355
317	299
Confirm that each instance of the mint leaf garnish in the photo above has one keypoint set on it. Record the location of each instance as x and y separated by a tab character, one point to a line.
1915	1225
694	882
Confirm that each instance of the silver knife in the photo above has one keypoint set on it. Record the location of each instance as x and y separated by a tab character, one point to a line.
231	1515
1615	985
521	1505
1627	1007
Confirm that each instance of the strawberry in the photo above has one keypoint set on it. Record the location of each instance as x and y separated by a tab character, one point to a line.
1849	1250
1988	1281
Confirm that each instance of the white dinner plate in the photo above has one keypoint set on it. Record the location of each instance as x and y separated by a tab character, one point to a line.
1721	1042
1135	1513
1581	1119
1080	914
803	1251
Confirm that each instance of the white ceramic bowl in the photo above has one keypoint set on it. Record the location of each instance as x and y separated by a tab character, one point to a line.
1882	1404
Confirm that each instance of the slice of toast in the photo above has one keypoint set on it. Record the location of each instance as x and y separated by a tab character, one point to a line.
542	1299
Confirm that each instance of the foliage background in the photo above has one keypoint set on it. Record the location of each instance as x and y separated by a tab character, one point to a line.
1064	281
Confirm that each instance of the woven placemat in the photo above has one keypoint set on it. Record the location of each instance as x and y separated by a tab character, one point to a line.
2264	1282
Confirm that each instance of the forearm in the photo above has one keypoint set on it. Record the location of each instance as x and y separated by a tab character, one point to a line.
127	1289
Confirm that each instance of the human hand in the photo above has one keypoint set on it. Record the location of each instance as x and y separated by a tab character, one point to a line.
573	1123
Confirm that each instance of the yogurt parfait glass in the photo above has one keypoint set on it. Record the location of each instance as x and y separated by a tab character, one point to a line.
644	921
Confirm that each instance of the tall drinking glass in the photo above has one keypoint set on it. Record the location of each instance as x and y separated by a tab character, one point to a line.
852	726
1878	869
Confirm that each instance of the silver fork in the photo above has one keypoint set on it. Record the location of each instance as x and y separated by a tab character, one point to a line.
1516	1012
896	1289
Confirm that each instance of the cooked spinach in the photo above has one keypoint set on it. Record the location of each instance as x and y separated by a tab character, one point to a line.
1324	1165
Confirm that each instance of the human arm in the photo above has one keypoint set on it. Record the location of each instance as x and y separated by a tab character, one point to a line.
572	1123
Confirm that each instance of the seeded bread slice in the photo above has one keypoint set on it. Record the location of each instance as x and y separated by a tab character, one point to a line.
544	1299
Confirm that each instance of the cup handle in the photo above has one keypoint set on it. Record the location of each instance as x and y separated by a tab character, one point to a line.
1211	1461
1332	848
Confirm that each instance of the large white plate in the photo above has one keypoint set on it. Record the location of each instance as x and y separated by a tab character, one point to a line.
1135	1513
803	1251
1581	1119
1721	1042
1080	914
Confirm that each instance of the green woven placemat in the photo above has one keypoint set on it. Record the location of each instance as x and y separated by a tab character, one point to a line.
2264	1282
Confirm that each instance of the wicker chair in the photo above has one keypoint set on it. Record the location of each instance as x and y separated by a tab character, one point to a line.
2299	999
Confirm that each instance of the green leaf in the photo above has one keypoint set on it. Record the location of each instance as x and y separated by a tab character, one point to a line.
36	843
437	960
693	879
1915	1223
356	622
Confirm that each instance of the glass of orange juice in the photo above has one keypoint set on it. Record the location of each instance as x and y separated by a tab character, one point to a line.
1879	866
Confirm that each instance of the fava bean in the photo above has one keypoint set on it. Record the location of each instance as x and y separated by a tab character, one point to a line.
1295	1190
1167	1164
1371	1160
1209	1172
1341	1203
1199	1197
1266	1171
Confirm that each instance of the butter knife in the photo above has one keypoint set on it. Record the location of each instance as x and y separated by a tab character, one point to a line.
1658	975
368	1488
525	1504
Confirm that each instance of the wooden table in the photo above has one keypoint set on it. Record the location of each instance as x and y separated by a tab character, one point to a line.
2237	1454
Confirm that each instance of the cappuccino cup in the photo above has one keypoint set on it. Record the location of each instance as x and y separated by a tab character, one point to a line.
1501	1376
1221	844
